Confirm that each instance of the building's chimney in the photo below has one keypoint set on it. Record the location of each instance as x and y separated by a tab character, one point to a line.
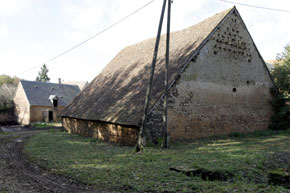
59	80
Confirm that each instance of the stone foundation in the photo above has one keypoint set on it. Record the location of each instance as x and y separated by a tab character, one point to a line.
123	135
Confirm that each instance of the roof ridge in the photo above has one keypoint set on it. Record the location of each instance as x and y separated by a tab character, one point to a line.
38	82
163	35
117	93
228	12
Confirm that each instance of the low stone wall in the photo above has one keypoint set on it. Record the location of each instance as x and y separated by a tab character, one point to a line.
7	117
105	131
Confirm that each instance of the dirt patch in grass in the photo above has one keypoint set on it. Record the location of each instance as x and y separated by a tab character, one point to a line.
278	165
19	175
205	174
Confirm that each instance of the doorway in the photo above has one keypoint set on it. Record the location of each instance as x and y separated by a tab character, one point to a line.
50	116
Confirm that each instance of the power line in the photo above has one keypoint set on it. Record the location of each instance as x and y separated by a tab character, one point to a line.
85	41
254	6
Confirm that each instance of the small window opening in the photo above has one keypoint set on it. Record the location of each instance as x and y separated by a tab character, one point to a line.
55	102
234	90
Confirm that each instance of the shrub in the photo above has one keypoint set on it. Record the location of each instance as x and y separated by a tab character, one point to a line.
281	92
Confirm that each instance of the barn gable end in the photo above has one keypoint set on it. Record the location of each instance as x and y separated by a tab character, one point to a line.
224	89
217	77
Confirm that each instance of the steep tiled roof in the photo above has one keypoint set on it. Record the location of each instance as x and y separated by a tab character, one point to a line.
117	94
38	93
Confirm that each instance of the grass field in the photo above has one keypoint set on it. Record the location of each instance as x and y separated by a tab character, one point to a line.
41	125
248	158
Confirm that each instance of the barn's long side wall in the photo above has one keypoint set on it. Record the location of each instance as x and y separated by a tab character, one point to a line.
225	89
101	130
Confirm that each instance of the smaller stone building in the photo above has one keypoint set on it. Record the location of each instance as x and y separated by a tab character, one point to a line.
42	102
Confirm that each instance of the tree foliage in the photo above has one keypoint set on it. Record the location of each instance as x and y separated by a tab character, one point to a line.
5	103
6	79
281	103
6	95
42	74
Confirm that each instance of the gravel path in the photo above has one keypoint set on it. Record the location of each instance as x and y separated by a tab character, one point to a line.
17	174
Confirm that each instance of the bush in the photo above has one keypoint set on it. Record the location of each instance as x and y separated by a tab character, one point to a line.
5	103
281	92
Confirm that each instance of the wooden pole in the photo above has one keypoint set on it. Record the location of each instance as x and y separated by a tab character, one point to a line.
165	129
142	133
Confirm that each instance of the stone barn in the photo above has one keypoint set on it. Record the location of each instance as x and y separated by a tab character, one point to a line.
42	102
219	84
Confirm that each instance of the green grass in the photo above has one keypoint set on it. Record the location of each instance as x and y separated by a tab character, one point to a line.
111	167
3	191
3	133
41	125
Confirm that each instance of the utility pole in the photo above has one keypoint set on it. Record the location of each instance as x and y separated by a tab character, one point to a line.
165	129
142	133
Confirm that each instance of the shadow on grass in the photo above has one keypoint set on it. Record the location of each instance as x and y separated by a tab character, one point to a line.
111	167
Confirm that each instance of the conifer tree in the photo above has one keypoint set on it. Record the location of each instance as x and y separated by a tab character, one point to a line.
42	74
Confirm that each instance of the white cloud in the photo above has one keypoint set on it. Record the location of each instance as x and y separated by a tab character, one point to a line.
38	48
261	24
11	7
78	20
8	7
3	30
86	15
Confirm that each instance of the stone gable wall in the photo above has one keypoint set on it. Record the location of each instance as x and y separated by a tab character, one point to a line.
22	109
224	89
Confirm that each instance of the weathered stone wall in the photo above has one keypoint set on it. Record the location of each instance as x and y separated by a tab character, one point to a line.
224	89
22	109
105	131
36	113
7	117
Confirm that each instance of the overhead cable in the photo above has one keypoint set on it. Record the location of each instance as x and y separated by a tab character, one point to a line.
254	6
90	38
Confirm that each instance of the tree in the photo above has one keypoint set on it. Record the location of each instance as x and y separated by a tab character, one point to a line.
6	96
281	103
42	74
6	79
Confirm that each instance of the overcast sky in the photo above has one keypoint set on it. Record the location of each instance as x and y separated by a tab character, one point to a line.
33	31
